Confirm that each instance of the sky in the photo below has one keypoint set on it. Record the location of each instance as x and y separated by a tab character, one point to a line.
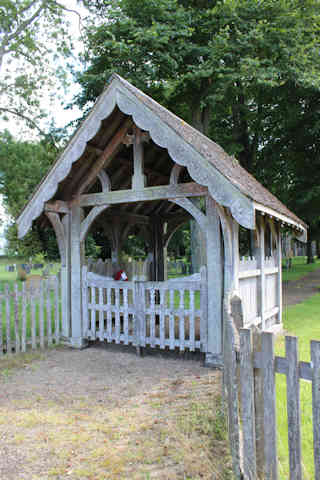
51	103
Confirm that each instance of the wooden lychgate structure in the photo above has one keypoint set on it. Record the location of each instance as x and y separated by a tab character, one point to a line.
133	166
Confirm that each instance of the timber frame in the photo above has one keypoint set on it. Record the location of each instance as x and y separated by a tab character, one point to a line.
133	165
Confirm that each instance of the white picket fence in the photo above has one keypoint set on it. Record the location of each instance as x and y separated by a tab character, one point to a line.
29	315
158	314
260	292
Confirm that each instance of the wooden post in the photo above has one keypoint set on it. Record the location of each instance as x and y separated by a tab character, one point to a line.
315	359
269	394
262	290
138	179
293	408
279	286
214	276
259	408
235	254
65	282
247	405
204	310
77	339
139	296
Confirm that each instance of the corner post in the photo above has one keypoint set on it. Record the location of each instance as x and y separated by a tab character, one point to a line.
214	276
262	292
279	265
76	252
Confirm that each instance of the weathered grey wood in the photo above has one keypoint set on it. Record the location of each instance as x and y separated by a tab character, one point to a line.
101	315
41	314
90	218
75	266
117	314
139	295
16	318
204	309
162	319
66	280
181	190
33	322
1	329
152	316
293	409
235	254
259	404
270	429
93	326
24	318
126	316
85	312
231	386
247	405
315	359
58	206
56	310
139	178
49	313
171	320
262	274
60	234
279	265
214	282
181	319
192	336
8	320
109	315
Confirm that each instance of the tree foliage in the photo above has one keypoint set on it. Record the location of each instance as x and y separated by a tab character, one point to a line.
34	39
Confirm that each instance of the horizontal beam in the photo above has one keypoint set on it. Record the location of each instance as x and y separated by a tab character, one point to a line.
58	206
148	194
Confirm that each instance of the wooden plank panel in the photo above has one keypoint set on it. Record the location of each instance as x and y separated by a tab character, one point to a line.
117	314
24	319
143	323
101	315
315	359
192	337
16	319
93	313
41	314
8	319
109	315
152	317
171	320
270	429
125	316
56	310
293	409
247	405
49	313
33	322
181	320
162	322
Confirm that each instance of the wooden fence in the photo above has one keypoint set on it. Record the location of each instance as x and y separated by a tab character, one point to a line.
250	366
171	314
29	315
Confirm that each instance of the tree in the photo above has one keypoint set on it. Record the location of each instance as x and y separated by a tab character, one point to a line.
235	69
33	41
22	166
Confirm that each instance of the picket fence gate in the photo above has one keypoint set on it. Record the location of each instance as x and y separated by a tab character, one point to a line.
29	315
155	314
250	366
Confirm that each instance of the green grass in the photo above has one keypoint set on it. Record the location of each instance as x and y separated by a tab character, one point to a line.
301	320
299	268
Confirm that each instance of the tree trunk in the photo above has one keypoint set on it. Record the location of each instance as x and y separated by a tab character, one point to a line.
310	257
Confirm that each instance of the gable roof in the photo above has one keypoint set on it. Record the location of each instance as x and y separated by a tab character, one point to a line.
207	163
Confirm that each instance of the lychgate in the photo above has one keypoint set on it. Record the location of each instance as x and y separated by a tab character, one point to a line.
135	166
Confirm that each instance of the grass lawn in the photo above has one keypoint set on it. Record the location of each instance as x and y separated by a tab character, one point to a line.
303	321
299	268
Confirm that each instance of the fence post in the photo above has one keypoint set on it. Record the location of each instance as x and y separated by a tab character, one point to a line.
231	386
269	394
8	322
293	408
247	405
315	359
259	408
16	318
139	294
204	310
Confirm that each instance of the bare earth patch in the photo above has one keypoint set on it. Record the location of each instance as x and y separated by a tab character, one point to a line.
104	413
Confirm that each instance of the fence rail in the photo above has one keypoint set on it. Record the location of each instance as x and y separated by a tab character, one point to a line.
29	315
250	370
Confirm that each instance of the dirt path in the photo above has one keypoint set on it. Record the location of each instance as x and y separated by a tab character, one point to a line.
299	290
104	413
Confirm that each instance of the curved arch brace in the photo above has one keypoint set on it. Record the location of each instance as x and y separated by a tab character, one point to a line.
194	211
60	234
105	181
167	237
90	218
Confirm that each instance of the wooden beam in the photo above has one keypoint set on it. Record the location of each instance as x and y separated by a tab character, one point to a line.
148	194
108	153
58	206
